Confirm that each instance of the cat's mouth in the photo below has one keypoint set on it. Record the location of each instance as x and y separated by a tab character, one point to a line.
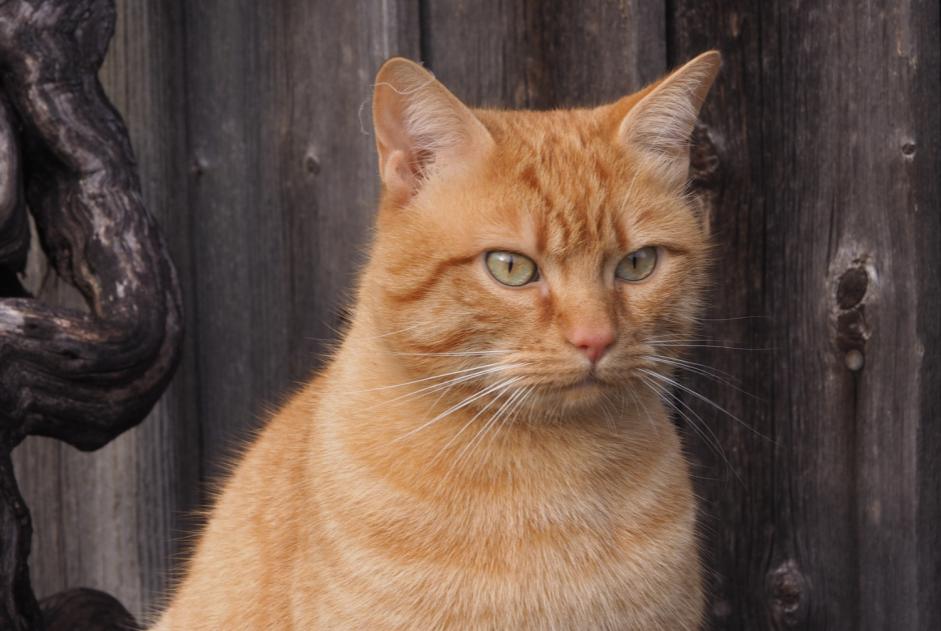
585	390
587	382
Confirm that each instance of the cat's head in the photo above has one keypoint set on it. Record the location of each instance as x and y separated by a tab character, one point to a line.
547	253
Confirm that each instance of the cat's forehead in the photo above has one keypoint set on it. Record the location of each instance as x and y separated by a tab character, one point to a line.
556	131
565	176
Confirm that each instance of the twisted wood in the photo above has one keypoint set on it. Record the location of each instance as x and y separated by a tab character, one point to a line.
80	377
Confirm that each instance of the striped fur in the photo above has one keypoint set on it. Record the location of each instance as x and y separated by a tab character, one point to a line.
521	496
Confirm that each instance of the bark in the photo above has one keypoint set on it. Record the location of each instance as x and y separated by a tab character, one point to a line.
80	377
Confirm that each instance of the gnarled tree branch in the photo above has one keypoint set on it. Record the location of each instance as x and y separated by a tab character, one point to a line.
81	378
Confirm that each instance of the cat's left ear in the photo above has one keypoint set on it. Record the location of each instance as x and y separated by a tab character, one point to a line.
660	123
421	128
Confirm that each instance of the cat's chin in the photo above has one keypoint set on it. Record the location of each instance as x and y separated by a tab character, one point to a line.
582	394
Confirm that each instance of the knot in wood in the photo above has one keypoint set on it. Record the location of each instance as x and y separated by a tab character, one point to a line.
199	166
311	162
787	590
852	328
852	287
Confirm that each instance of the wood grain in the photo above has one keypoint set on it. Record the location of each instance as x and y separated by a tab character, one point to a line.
823	204
283	183
544	54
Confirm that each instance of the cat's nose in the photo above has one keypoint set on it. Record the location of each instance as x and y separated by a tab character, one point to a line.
592	340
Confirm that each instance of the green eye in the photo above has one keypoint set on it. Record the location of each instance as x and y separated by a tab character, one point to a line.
511	268
637	265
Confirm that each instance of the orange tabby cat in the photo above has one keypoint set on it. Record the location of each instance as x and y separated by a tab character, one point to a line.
486	449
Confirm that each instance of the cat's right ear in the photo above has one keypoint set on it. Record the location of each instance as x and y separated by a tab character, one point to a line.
661	117
421	128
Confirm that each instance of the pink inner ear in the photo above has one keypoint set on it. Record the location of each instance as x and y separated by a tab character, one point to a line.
400	176
420	126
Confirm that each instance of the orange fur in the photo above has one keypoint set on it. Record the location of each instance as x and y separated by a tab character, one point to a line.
558	498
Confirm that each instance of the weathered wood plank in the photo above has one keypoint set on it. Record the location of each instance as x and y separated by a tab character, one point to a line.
283	188
544	54
826	209
113	519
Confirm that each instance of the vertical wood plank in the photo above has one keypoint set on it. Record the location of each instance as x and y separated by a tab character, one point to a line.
544	54
113	519
826	209
923	149
283	187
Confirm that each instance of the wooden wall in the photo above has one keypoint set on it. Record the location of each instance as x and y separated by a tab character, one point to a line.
818	159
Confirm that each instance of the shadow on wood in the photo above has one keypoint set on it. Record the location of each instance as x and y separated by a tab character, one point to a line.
85	610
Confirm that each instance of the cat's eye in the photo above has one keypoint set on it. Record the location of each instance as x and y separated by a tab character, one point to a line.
511	268
637	265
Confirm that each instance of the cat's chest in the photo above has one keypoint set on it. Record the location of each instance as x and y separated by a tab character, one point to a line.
547	542
567	557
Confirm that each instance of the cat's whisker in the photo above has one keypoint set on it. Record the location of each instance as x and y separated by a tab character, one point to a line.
609	410
446	386
699	369
469	446
702	422
735	318
686	362
673	382
501	415
670	399
665	396
713	346
527	397
423	379
639	403
406	329
527	393
454	353
685	338
507	385
454	408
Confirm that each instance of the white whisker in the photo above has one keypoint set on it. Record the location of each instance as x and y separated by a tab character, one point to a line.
454	408
715	346
655	375
699	369
423	379
446	385
502	413
507	385
453	353
665	396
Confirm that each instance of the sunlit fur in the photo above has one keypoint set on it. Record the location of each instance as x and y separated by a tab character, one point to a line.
459	464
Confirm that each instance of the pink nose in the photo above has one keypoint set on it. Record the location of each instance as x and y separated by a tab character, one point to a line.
592	340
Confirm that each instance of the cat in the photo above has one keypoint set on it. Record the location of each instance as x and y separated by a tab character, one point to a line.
487	448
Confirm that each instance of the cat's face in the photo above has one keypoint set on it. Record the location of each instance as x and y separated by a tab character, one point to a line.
542	255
